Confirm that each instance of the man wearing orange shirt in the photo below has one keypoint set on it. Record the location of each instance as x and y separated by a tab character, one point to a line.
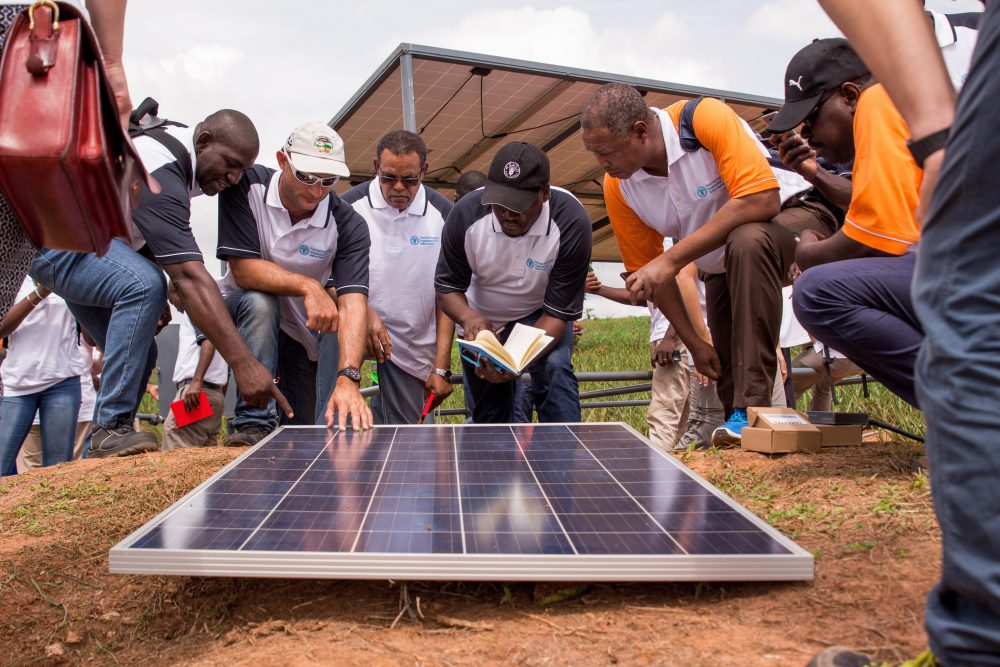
855	293
736	218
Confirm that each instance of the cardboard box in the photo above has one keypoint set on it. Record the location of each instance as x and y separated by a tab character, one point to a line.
841	436
779	430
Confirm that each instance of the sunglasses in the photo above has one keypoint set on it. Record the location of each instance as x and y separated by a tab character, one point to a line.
311	179
409	181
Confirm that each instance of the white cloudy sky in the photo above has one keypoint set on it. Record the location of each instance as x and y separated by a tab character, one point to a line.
283	63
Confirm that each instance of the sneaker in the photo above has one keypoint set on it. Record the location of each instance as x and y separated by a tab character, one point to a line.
838	656
121	440
729	434
248	435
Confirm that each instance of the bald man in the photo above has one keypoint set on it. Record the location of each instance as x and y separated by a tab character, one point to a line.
118	297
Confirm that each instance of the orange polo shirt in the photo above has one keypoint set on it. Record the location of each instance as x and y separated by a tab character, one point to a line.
886	187
739	161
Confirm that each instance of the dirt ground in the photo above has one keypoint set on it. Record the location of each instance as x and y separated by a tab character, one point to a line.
860	510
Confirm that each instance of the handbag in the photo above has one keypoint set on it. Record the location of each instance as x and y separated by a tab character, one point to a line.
67	168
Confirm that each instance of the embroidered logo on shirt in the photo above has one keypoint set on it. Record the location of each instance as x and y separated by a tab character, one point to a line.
315	253
424	240
539	266
512	170
703	191
797	83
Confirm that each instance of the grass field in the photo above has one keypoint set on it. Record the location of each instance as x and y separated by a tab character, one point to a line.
621	344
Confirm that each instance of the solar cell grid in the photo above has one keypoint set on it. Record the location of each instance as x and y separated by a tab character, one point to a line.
592	501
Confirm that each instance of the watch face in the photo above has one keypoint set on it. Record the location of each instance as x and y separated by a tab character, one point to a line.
351	372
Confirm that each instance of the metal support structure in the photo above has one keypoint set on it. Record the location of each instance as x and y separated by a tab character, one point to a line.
409	101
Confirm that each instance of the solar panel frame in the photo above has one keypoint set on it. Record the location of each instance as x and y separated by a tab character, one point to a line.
126	558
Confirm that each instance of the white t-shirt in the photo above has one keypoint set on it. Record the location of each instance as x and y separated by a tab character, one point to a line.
792	333
188	353
43	350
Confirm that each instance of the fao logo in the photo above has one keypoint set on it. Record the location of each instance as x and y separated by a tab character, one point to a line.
303	249
414	240
531	263
702	192
512	170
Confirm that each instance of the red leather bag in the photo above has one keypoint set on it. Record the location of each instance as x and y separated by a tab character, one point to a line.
67	168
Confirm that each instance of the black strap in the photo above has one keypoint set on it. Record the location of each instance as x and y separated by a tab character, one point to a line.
689	140
176	148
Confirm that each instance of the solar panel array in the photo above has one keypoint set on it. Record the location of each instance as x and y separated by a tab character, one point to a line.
526	502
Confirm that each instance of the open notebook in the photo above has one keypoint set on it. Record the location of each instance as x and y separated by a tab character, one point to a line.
522	346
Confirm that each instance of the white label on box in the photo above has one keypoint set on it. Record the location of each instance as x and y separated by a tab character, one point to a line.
776	418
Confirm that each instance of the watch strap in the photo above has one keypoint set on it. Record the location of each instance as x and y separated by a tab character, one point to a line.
923	148
443	372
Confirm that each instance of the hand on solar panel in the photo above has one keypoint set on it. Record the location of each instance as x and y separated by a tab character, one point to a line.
378	345
346	403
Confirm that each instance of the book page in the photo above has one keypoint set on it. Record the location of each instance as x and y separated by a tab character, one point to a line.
522	342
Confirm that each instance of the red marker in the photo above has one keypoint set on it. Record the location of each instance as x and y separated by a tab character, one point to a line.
427	408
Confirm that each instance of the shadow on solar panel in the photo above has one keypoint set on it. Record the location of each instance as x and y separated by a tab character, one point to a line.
544	502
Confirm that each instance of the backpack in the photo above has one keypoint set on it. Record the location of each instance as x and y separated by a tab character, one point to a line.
690	142
143	121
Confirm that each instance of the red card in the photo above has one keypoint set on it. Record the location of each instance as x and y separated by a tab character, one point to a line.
183	417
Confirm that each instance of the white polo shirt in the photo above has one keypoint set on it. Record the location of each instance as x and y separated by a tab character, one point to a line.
331	246
43	350
189	352
957	42
681	203
505	278
404	252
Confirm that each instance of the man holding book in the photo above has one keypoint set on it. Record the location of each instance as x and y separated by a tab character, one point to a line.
516	252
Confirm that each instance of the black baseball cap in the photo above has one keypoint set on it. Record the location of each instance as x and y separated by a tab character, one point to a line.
823	65
518	172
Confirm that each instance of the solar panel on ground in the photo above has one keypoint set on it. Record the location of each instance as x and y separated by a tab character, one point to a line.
593	502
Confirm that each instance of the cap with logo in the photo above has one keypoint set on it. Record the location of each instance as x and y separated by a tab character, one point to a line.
823	65
315	148
518	172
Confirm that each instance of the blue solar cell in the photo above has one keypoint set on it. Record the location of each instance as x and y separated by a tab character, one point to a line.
524	490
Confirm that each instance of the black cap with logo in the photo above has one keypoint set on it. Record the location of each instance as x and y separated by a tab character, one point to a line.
823	65
518	172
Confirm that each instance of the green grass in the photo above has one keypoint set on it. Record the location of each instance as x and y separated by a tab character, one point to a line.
622	344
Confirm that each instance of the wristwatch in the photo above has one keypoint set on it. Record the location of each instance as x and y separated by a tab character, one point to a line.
923	148
443	372
352	372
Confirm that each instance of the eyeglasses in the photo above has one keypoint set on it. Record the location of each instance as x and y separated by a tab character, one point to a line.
311	179
814	114
409	181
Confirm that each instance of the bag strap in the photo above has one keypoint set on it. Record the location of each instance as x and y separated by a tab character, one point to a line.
690	142
176	148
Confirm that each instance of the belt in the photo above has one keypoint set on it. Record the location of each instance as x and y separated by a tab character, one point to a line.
206	385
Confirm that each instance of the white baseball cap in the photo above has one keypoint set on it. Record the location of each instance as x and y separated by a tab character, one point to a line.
315	148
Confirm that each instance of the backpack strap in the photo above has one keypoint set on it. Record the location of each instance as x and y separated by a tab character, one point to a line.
176	148
689	141
143	121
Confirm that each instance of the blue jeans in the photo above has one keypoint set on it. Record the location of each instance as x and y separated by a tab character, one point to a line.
257	319
862	308
117	299
957	298
554	391
57	408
